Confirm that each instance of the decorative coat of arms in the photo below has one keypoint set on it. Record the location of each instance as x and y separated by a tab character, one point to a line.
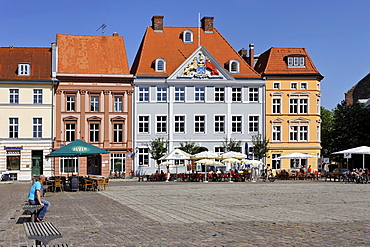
200	67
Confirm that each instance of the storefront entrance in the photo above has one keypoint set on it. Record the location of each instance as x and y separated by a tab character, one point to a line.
94	165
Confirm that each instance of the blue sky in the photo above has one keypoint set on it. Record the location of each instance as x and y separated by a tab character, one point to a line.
334	32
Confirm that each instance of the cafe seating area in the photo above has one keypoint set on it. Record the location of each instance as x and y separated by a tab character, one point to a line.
85	183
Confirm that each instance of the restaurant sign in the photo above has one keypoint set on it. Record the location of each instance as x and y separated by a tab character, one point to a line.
13	148
80	149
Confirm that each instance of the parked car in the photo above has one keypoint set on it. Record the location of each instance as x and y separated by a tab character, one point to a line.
5	177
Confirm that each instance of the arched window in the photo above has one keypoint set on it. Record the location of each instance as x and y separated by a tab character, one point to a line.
187	36
160	65
234	66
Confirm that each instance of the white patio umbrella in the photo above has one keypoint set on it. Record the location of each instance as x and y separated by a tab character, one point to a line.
296	156
208	162
358	150
252	162
205	155
230	160
232	154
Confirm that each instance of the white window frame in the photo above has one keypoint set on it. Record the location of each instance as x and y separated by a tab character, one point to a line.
70	103
37	128
161	94
117	132
73	160
304	85
143	156
160	65
253	94
236	94
219	124
37	96
236	124
276	105
24	69
94	132
13	128
234	66
179	124
179	94
143	94
13	96
276	85
253	123
118	102
199	94
94	103
275	161
161	124
294	85
276	133
70	132
143	124
299	132
187	36
199	124
219	94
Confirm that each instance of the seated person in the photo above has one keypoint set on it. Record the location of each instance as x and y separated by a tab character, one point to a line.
34	198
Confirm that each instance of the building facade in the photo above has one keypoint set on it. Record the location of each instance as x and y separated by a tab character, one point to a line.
26	107
292	106
191	85
93	102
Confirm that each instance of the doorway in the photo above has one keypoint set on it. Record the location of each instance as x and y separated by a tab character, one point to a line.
94	165
37	164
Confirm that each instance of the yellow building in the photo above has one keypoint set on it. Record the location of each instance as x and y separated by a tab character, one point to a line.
292	107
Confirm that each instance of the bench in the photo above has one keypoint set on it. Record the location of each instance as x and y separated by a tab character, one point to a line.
42	232
32	209
56	245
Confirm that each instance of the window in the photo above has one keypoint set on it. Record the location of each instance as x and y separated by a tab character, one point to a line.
303	85
117	132
70	132
117	162
94	132
253	94
298	106
293	85
37	128
219	124
143	155
68	165
37	96
160	65
276	105
179	124
71	103
199	124
161	124
188	36
144	124
276	85
117	103
143	94
276	165
13	161
236	94
234	66
179	94
299	133
219	150
253	123
94	102
161	94
276	133
296	62
236	124
24	69
13	96
219	94
199	94
13	127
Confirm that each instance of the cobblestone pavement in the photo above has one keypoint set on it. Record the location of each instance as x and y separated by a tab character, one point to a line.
130	213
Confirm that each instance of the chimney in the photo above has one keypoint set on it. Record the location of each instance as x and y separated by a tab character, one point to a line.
207	24
157	23
115	34
251	55
243	53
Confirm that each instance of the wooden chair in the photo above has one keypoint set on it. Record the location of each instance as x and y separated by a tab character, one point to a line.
87	184
58	184
105	182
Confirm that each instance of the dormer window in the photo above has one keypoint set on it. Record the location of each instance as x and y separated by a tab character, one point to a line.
234	66
296	61
160	65
24	69
187	36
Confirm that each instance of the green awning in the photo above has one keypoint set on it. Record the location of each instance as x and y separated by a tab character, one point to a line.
77	148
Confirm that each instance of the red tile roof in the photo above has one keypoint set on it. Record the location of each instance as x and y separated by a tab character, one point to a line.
170	46
81	54
274	61
39	59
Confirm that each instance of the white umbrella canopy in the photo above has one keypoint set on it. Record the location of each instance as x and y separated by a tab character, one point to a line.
232	154
208	162
358	150
231	160
252	162
205	155
177	154
296	156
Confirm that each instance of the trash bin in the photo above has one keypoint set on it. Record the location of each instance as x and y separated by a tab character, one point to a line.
74	183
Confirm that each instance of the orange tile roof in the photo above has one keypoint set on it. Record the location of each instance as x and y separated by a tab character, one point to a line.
170	46
39	59
82	54
273	61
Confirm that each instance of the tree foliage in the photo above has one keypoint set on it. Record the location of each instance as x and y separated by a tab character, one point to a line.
231	145
189	147
327	125
158	148
259	146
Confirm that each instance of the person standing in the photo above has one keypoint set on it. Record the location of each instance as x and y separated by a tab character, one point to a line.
34	198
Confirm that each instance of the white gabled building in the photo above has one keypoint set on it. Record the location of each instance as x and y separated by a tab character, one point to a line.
191	85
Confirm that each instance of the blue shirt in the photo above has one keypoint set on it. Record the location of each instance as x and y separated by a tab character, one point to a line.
36	186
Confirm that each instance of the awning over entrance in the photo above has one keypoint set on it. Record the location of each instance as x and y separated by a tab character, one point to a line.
77	148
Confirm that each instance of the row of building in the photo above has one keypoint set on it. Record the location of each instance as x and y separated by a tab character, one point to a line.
185	84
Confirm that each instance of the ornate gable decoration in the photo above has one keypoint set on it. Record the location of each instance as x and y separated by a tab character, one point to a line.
201	65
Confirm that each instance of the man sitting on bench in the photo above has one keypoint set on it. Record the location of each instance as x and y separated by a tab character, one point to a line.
34	197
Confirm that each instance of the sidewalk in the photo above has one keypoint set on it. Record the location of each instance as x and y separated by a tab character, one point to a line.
130	213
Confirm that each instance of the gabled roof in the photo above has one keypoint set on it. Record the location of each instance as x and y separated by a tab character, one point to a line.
38	58
169	45
274	61
80	54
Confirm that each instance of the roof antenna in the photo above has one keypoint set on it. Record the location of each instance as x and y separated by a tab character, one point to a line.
198	29
102	27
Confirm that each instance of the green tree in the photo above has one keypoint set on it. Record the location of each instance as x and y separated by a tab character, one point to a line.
327	127
189	147
158	148
259	146
231	145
